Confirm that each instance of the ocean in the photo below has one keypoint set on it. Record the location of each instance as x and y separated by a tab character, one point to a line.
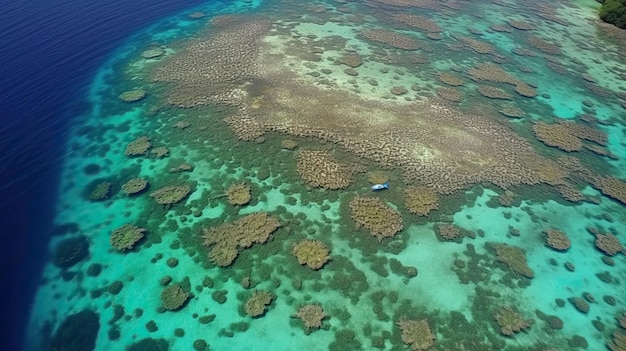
330	175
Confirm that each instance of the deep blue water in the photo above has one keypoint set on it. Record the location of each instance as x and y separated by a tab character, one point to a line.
49	51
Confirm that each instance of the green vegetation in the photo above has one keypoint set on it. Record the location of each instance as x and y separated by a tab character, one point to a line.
614	12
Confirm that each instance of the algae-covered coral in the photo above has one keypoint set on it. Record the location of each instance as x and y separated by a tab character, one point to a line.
378	218
226	240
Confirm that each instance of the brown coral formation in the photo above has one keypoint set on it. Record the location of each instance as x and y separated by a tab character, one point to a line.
446	149
173	297
378	177
418	22
450	94
619	341
321	169
101	191
153	53
133	95
208	70
526	90
312	316
511	321
257	303
420	200
609	244
568	135
171	194
512	111
417	334
493	92
390	38
159	152
238	194
351	60
450	79
125	237
288	144
478	46
423	4
521	25
557	240
226	240
492	73
448	231
612	187
312	253
244	126
138	146
380	219
134	186
514	258
557	135
544	45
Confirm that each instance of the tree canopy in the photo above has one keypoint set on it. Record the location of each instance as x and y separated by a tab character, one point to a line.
614	12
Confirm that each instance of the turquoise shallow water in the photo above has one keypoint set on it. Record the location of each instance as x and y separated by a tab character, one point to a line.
309	104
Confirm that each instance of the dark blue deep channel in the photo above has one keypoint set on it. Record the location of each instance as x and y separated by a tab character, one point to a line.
49	51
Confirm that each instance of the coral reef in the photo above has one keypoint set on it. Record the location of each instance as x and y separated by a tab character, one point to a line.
311	316
390	38
134	186
493	92
450	79
512	111
378	177
208	70
525	90
514	258
133	95
510	321
126	236
478	46
557	135
159	152
619	341
244	126
138	146
492	73
100	191
321	169
238	194
557	240
418	22
521	25
417	334
312	253
380	219
612	187
448	231
544	45
171	194
609	244
351	60
173	297
153	53
288	144
580	304
225	240
257	303
450	94
420	200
